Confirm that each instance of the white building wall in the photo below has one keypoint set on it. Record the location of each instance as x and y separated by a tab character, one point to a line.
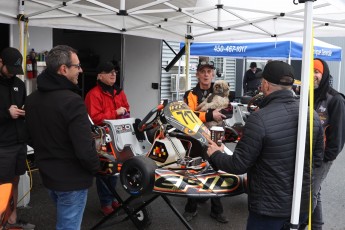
228	75
337	69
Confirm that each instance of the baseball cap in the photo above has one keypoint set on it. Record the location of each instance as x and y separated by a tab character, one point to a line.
205	62
278	72
12	59
253	64
106	67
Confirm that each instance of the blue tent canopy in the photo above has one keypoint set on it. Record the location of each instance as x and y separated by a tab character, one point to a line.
265	48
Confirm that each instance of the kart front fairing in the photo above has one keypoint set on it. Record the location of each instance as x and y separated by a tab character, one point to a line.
206	184
180	116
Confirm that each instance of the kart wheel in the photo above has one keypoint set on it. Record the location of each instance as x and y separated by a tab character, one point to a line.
144	216
138	175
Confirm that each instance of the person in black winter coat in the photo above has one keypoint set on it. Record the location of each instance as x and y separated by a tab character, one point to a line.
251	80
330	106
267	152
12	139
60	133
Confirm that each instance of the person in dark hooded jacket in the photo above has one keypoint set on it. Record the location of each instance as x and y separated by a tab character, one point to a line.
330	106
60	133
267	152
251	80
12	129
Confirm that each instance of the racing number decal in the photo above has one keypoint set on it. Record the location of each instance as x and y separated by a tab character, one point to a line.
188	119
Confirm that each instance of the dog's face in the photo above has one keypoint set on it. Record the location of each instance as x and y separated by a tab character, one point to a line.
221	88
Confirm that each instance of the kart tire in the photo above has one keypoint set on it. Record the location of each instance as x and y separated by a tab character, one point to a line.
144	217
138	175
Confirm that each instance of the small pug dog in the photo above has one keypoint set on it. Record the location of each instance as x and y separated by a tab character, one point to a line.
219	99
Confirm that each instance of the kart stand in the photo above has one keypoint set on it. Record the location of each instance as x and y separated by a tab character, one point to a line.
132	213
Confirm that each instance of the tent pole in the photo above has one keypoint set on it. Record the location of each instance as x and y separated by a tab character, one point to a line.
339	74
244	69
187	50
219	14
21	9
307	57
123	9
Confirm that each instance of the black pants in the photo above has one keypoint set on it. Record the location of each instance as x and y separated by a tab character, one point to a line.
216	205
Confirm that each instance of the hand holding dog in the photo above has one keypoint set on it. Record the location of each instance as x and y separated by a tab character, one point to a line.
217	115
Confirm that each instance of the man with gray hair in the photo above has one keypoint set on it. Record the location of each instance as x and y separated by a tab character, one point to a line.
60	132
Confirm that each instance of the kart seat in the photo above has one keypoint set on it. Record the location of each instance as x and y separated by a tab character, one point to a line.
126	141
197	150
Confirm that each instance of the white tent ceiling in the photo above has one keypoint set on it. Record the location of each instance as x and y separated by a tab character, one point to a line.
168	19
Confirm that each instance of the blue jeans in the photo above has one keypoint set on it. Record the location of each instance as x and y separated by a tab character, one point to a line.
69	208
104	195
319	174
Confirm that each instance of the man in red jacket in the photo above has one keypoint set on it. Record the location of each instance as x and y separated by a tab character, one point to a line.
106	101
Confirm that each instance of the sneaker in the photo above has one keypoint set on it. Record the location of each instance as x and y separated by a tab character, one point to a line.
189	215
219	217
106	210
20	224
115	205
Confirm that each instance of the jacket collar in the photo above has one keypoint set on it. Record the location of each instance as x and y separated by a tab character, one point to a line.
283	96
50	81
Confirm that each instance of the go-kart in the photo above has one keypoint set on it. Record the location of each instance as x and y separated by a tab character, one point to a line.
164	154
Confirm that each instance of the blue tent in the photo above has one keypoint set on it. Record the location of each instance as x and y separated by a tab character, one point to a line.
265	48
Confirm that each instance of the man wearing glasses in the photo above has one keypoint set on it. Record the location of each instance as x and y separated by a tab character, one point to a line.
106	101
60	131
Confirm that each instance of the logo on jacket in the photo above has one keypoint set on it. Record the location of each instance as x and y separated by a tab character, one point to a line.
322	109
18	62
15	89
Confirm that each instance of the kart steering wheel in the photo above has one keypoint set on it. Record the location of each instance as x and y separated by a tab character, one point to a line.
144	125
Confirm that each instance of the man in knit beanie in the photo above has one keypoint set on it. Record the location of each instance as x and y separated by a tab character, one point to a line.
330	105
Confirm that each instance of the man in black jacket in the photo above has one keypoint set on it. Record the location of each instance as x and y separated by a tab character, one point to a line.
60	132
12	145
251	80
267	152
329	104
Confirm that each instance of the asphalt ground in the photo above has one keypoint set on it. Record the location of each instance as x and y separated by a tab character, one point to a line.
41	211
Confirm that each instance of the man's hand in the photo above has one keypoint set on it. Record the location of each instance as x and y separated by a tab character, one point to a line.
121	111
15	112
217	115
213	147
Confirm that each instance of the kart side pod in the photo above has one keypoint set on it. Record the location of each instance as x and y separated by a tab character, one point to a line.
167	150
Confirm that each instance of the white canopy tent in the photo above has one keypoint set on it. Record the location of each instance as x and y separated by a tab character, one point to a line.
201	20
209	20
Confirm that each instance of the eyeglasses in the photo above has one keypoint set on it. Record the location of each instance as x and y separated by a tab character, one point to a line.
75	65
